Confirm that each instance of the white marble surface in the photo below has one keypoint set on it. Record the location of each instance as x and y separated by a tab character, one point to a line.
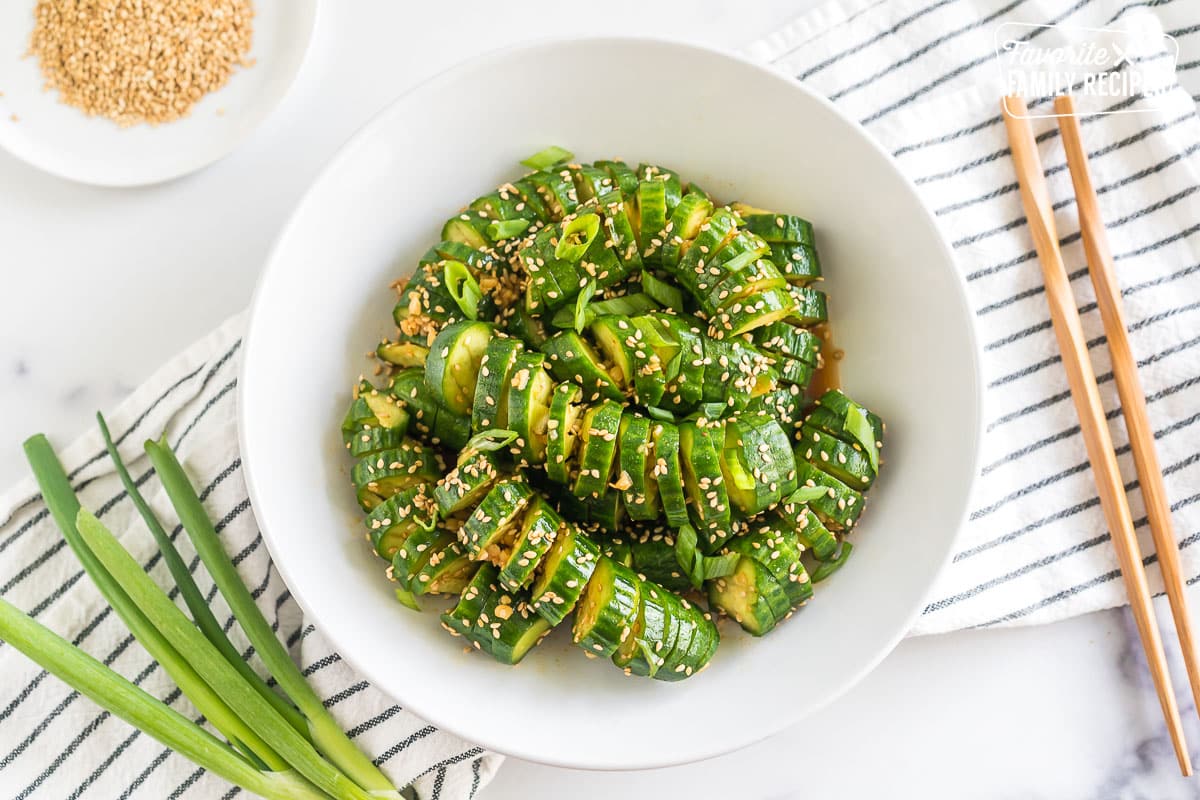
101	286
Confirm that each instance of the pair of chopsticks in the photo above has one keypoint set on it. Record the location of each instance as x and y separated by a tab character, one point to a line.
1035	197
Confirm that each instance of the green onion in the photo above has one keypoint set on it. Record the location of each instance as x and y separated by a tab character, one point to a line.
126	701
581	304
696	566
463	288
506	229
628	305
833	565
858	426
64	508
660	414
192	596
326	734
577	237
667	294
407	598
805	494
548	158
653	659
487	442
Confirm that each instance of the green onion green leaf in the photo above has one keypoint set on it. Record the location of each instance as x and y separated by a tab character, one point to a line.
577	237
660	414
506	229
833	565
407	598
463	288
663	292
487	442
548	158
581	304
806	494
858	426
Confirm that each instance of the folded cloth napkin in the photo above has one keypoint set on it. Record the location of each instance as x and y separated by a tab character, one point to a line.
920	74
923	78
55	744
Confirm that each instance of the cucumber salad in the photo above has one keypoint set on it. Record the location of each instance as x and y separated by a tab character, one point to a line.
597	403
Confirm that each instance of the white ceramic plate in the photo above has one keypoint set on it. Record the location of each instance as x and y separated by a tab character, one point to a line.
740	130
64	141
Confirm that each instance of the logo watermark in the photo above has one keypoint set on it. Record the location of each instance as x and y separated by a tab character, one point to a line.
1104	69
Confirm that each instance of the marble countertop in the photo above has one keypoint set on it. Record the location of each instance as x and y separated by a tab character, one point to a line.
101	286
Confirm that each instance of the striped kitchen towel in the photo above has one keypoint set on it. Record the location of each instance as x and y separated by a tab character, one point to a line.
922	76
55	744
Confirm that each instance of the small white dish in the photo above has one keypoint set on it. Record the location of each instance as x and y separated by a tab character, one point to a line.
740	130
62	140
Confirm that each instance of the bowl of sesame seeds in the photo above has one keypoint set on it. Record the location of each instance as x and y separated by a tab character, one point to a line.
130	93
901	319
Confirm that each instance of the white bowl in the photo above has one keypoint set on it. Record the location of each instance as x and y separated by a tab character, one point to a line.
740	130
52	136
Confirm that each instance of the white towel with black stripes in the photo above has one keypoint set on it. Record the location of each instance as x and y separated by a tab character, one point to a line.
919	74
55	744
922	76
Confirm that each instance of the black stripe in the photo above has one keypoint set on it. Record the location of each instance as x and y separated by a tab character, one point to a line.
1066	202
1074	429
831	60
226	389
928	47
1061	514
439	781
904	101
828	30
234	791
445	762
1066	473
332	701
291	642
321	664
374	721
144	774
475	777
400	746
187	784
1044	561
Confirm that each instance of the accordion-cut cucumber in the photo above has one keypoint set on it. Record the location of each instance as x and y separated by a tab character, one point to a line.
748	282
775	546
635	476
747	314
683	226
694	642
490	530
829	415
598	446
462	619
529	390
699	449
395	519
562	431
489	411
440	425
402	354
412	556
573	359
668	473
779	228
789	340
608	609
383	474
798	262
653	556
751	596
808	528
371	439
712	235
809	306
846	462
564	572
839	505
784	404
538	532
463	487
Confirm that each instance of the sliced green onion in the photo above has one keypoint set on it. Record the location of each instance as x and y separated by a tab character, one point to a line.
581	303
653	659
260	716
126	701
628	305
833	565
696	566
858	426
720	566
192	596
463	288
407	598
660	414
506	229
487	442
326	734
64	508
669	295
577	237
548	158
806	494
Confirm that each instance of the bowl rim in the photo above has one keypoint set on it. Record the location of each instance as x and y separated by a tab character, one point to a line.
356	140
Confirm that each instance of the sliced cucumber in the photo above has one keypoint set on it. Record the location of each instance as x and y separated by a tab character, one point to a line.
573	359
490	530
402	354
784	404
529	390
699	449
563	574
489	411
751	596
799	262
810	306
776	547
754	312
538	532
373	439
846	462
669	474
839	506
381	475
616	338
453	366
622	174
395	519
653	554
829	415
608	609
566	409
635	477
695	641
463	487
713	234
777	228
411	558
683	226
598	444
463	618
756	278
790	340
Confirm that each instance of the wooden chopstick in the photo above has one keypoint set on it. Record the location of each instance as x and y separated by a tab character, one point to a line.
1129	386
1068	329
